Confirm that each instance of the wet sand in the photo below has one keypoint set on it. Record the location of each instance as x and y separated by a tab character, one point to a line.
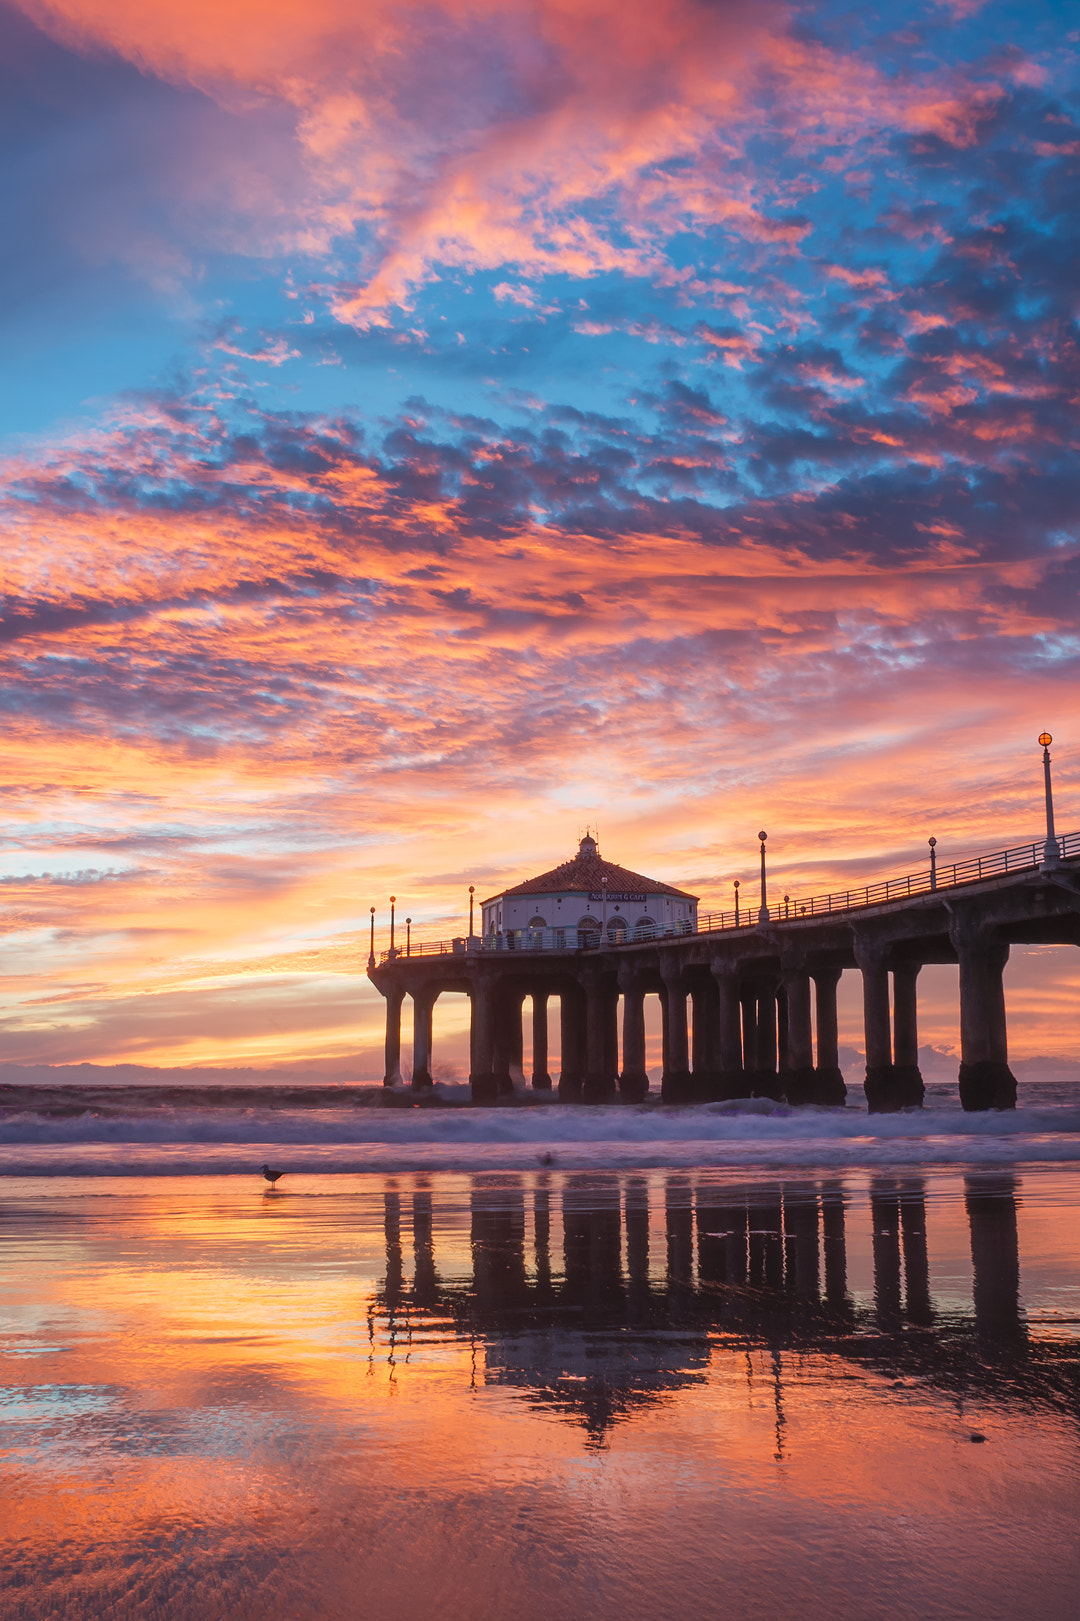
542	1395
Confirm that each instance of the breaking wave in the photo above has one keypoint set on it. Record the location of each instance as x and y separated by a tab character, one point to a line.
144	1134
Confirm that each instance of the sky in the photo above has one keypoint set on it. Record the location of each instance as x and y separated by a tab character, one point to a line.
431	429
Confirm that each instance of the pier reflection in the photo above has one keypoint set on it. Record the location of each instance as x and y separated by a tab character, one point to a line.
599	1295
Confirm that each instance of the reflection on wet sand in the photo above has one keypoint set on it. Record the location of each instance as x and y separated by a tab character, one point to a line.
764	1265
532	1394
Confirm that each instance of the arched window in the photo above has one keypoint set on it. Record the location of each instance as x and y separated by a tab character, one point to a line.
616	931
538	923
644	929
588	930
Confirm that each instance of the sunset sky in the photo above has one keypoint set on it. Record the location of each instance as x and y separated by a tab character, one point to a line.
430	429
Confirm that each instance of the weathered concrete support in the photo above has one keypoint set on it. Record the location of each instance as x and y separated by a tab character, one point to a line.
797	1074
540	1078
766	1080
829	1084
677	1084
732	1082
704	1066
908	1076
572	1073
599	1083
482	1077
395	995
986	1081
515	1036
882	1094
634	1080
423	1007
507	1044
611	1035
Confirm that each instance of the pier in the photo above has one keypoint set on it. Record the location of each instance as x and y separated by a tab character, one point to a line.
750	985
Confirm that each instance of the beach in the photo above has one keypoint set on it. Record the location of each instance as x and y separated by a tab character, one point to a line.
699	1363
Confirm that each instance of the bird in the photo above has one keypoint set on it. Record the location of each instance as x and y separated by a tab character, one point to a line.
271	1176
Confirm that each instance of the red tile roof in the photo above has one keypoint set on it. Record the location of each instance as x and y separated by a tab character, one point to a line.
584	874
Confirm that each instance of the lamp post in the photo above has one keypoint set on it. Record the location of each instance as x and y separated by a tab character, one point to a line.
933	862
472	891
787	903
371	952
603	911
735	881
408	937
763	909
393	898
1051	853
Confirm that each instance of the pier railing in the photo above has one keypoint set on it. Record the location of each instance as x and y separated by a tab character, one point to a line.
946	875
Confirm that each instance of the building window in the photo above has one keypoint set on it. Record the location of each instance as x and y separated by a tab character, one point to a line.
538	923
616	931
644	929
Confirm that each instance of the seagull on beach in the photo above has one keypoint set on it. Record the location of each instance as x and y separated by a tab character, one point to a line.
271	1176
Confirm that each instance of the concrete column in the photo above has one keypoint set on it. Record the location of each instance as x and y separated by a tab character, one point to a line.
829	1083
572	1075
732	1077
507	1046
540	1078
423	1007
677	1085
908	1076
395	995
482	1042
882	1094
986	1081
798	1076
748	1004
704	1039
767	1082
634	1080
598	1086
516	1035
611	1036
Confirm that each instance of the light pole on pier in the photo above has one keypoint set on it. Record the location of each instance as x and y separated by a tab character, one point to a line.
736	883
472	891
393	898
408	937
603	911
371	952
763	910
933	862
1051	853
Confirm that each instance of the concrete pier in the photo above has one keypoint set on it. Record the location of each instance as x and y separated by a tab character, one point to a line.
764	1000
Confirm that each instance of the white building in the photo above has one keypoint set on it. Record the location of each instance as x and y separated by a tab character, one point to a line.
592	897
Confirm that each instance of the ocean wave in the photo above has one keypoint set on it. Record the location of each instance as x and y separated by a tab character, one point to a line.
190	1141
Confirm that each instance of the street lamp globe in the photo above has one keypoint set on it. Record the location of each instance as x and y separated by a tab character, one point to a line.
1045	739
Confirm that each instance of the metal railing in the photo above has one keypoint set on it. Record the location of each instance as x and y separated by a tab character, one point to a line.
947	875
